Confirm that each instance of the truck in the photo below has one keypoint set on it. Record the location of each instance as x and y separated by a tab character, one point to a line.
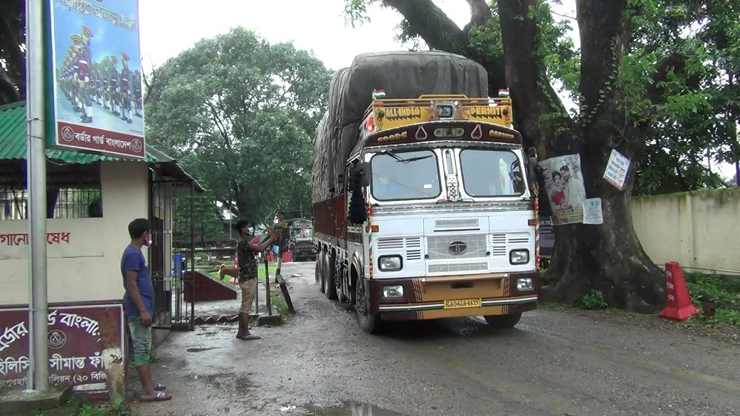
423	195
301	236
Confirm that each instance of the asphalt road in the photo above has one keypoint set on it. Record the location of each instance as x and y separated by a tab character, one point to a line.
553	363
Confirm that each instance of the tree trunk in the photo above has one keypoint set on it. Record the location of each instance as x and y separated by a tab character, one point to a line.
606	257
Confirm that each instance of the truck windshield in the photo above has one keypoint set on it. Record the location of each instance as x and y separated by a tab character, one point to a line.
491	173
405	175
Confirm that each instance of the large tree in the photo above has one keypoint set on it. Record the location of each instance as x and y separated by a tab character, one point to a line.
240	115
619	93
691	135
12	51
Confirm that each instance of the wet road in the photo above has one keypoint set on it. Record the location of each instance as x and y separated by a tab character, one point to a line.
553	363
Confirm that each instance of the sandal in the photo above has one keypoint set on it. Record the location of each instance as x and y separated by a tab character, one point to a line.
159	396
249	337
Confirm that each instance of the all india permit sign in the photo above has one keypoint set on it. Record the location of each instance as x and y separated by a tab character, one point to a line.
94	76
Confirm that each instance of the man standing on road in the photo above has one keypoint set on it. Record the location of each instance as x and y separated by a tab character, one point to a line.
138	305
245	255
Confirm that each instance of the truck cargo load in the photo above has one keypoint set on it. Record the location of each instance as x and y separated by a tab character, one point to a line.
401	75
423	195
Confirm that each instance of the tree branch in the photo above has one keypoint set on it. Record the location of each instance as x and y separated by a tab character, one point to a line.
676	63
532	95
430	23
8	90
480	13
605	36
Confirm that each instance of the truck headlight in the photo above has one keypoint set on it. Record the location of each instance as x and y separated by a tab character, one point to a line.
395	291
390	263
524	284
519	256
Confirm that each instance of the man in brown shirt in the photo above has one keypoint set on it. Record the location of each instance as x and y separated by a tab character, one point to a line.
247	273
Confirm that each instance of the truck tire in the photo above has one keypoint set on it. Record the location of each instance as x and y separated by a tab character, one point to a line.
372	324
320	272
503	321
330	290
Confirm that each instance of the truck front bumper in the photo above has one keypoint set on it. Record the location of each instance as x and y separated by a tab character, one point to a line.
455	296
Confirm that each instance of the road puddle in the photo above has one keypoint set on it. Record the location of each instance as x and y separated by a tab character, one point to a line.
200	349
346	409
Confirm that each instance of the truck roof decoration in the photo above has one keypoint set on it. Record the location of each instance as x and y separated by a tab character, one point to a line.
455	116
380	76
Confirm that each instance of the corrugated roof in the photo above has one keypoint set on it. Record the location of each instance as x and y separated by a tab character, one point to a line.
13	145
13	142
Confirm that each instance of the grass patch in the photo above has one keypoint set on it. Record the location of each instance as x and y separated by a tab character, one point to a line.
75	407
703	287
725	294
117	408
260	273
280	306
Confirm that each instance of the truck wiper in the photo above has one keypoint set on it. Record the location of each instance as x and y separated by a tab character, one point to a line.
402	160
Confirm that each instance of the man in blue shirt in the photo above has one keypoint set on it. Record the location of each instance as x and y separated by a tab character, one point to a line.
138	304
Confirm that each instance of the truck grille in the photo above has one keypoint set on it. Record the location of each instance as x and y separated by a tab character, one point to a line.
412	246
458	267
438	246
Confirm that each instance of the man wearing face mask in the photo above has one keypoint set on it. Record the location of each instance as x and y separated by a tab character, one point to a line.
138	304
245	254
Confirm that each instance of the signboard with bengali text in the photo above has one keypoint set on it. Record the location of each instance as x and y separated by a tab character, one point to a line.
65	238
96	92
76	345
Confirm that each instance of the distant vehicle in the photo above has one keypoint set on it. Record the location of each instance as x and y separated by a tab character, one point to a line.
301	236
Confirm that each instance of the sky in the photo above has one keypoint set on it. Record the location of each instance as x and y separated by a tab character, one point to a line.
169	27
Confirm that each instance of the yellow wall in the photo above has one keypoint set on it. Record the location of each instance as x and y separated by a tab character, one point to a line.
697	229
88	267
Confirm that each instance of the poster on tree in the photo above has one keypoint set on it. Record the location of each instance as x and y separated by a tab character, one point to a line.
96	77
565	190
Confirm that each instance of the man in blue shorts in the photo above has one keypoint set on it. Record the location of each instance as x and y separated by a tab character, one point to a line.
138	305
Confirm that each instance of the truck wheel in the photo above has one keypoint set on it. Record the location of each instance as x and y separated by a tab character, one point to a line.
368	322
320	272
503	321
330	291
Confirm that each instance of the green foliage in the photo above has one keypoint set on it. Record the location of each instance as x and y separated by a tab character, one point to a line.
691	120
12	53
239	114
724	293
117	408
694	122
207	220
594	300
280	306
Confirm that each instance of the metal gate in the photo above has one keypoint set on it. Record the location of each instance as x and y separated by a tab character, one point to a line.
172	253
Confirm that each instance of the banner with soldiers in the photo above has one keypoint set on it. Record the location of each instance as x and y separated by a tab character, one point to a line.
97	76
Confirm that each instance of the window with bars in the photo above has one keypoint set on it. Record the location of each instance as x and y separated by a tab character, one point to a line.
61	203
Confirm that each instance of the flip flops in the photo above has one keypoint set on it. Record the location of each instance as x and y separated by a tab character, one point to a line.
250	337
159	396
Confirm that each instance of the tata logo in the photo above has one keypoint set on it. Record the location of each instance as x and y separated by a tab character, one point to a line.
457	247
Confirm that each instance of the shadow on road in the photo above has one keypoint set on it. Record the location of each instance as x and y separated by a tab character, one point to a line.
448	328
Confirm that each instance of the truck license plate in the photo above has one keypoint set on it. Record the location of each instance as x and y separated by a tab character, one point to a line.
462	303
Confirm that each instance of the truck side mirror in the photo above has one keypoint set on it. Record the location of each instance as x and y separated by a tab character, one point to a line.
361	174
359	177
340	181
